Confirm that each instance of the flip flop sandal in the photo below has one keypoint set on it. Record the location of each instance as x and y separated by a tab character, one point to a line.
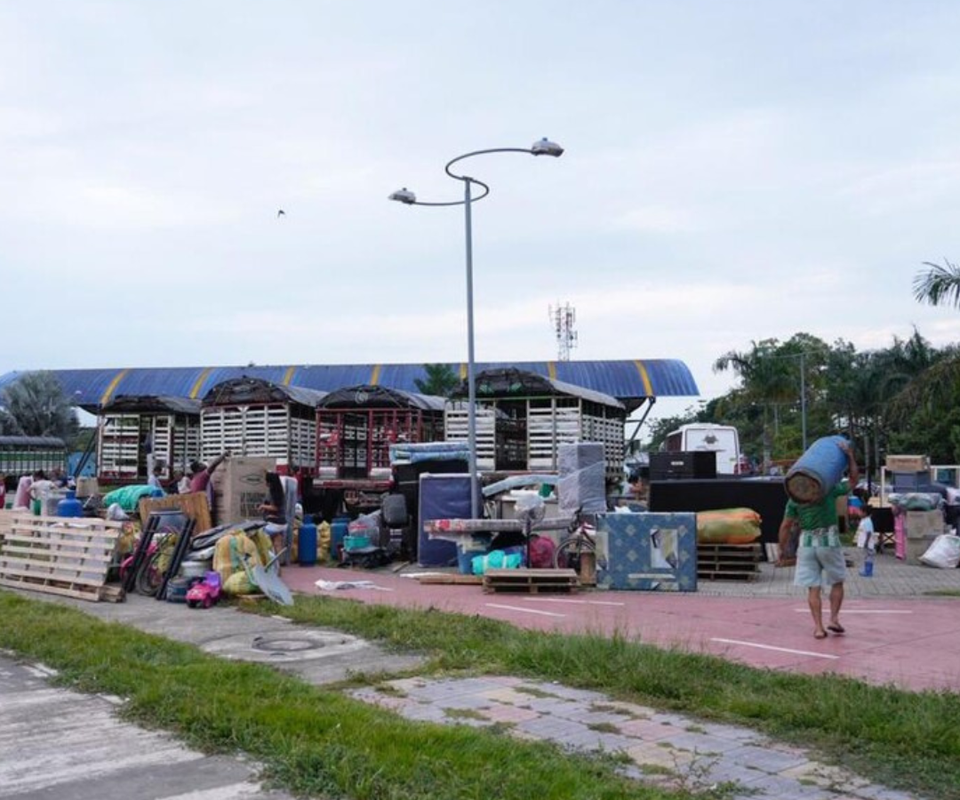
837	629
820	635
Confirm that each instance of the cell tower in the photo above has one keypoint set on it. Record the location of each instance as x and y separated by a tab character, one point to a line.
563	319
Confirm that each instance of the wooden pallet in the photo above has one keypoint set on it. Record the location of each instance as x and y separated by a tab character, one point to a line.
530	581
727	575
450	580
67	556
733	562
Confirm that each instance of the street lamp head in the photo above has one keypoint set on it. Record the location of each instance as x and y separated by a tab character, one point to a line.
404	195
546	148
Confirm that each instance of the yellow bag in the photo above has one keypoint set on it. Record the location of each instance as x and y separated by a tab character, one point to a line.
228	555
323	541
238	583
728	526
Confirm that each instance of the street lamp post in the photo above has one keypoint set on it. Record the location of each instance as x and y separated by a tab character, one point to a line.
544	147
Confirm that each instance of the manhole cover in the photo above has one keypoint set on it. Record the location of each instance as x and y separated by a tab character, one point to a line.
284	647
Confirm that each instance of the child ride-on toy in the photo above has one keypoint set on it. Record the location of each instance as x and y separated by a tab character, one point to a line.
206	592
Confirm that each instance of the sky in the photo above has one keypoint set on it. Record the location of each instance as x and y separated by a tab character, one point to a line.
734	171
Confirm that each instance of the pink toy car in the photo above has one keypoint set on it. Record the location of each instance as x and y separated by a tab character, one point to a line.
206	592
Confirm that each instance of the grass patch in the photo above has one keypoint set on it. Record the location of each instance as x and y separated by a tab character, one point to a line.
907	740
463	713
944	592
603	727
311	741
606	708
533	691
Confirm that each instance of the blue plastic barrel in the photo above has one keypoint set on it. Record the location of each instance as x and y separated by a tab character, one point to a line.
70	506
307	545
338	532
817	471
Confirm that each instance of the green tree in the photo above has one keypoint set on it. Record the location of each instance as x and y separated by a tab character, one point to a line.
937	284
440	380
766	375
35	405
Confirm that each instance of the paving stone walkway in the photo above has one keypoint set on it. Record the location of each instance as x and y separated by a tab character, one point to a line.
665	749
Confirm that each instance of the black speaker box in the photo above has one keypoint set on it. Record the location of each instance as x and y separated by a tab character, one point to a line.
688	464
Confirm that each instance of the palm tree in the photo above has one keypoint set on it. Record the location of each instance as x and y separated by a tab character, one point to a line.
766	380
937	384
35	405
938	285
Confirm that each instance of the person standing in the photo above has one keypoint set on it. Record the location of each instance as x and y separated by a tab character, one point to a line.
182	481
866	537
155	478
21	500
200	476
820	559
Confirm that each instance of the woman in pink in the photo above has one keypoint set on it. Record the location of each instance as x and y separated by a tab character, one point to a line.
22	498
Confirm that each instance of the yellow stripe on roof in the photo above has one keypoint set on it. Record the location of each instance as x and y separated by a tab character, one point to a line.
288	375
647	386
105	397
375	375
198	384
552	370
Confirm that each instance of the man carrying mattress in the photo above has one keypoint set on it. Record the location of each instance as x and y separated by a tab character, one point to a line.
820	559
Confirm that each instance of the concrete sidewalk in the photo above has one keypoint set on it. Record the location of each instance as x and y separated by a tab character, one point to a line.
56	743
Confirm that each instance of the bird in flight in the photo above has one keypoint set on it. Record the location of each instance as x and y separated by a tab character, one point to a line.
281	213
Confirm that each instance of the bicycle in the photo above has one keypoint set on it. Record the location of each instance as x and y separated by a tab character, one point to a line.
581	539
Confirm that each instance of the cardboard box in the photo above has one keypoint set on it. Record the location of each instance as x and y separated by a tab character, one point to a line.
907	463
923	524
239	487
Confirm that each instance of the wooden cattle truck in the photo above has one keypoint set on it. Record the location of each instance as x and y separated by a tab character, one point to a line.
24	455
131	428
254	417
356	426
522	418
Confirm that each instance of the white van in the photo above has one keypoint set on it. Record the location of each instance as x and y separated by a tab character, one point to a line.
723	439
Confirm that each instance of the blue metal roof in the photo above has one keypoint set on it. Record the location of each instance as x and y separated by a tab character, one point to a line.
630	381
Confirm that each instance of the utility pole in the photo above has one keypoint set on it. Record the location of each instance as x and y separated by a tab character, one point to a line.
803	402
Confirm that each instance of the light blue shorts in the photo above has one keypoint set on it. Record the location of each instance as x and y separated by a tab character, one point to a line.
820	559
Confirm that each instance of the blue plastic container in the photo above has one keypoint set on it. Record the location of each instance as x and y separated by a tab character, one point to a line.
817	471
70	506
338	532
307	545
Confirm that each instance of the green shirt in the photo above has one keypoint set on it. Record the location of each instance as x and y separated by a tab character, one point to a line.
817	515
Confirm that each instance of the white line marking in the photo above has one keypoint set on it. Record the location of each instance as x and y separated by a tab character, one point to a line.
527	610
861	611
778	649
574	602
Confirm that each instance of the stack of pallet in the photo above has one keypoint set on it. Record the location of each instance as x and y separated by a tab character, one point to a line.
734	562
66	556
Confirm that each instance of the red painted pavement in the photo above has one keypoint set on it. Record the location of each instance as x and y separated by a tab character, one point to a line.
911	642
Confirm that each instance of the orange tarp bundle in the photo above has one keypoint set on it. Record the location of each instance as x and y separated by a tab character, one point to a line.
728	526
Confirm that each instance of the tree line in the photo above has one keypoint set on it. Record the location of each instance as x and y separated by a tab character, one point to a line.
898	399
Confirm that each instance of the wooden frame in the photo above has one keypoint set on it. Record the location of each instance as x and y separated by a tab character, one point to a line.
193	505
